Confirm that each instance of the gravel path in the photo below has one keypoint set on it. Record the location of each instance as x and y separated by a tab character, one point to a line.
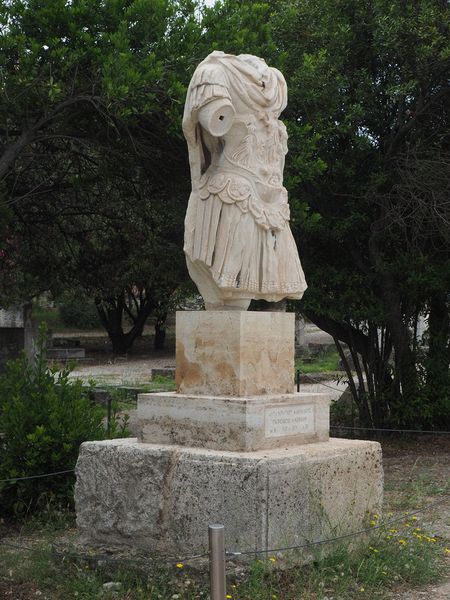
124	372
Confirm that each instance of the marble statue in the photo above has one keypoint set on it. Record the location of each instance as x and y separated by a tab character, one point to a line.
238	242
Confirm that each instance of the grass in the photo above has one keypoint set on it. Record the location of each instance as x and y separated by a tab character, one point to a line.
328	361
404	555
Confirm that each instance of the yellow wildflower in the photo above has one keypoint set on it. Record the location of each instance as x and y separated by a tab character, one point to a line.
418	529
393	530
402	542
373	549
372	523
446	550
229	596
180	565
414	518
272	559
361	589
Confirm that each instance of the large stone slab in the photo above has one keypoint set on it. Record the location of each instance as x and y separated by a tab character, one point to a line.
234	353
236	424
12	317
161	499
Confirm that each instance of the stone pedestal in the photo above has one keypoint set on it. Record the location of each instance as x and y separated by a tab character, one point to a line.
231	423
161	498
235	445
234	353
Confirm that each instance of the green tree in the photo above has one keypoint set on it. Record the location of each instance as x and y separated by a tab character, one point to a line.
370	81
96	176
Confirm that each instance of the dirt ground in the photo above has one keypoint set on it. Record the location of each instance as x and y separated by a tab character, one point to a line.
417	473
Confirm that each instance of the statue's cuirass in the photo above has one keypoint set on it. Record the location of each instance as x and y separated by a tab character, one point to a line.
247	168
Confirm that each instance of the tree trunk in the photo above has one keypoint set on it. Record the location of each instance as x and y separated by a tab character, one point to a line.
437	363
111	311
120	345
11	153
160	331
405	364
372	402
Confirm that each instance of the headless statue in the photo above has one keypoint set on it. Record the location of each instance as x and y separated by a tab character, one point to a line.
238	242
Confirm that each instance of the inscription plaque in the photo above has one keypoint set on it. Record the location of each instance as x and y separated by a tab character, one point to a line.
289	420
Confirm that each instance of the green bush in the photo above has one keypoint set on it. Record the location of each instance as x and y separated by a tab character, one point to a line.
44	417
78	310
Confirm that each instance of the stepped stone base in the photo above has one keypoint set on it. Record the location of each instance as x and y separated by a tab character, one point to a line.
161	498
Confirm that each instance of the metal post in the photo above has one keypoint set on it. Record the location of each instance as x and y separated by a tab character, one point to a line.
297	378
217	562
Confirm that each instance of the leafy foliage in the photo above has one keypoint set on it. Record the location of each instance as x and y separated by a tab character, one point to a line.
371	82
78	310
95	165
45	417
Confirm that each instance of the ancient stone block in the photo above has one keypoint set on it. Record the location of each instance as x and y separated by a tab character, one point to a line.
236	424
234	353
161	499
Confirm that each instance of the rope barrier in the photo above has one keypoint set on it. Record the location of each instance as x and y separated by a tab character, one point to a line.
230	554
344	536
372	428
394	430
137	561
14	479
334	427
166	559
321	383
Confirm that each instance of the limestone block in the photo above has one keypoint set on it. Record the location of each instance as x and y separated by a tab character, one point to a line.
234	353
160	499
235	424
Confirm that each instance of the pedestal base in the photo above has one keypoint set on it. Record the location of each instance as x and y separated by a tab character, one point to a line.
161	498
235	424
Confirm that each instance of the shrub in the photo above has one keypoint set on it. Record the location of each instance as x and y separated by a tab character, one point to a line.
77	310
44	417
